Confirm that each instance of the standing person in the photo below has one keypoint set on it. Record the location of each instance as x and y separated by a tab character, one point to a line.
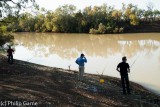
80	61
10	55
124	69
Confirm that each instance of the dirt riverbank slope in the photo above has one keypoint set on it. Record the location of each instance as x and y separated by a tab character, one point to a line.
52	87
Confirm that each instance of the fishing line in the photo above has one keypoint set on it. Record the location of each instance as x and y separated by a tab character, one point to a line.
102	71
30	59
107	65
135	60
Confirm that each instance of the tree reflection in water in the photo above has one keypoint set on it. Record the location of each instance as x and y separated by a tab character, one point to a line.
69	46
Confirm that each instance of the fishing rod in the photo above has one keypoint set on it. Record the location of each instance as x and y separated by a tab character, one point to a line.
98	72
29	59
101	80
135	61
107	65
102	71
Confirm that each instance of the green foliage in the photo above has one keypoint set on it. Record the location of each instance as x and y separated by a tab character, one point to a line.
3	29
96	20
121	30
116	30
134	19
13	7
117	14
9	10
93	31
5	38
109	29
101	28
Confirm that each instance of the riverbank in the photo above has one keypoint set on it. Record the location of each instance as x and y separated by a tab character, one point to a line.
143	27
23	81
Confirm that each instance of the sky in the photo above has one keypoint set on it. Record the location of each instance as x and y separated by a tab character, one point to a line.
80	4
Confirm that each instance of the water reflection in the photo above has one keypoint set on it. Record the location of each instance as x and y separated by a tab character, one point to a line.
70	45
61	50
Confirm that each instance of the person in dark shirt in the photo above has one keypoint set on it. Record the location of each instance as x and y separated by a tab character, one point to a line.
10	55
124	69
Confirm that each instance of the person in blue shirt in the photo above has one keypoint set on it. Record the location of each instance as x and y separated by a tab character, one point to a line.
81	62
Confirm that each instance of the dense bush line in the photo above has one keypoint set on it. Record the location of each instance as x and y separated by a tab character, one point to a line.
96	20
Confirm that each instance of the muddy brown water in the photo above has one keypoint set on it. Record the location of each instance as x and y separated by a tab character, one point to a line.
103	52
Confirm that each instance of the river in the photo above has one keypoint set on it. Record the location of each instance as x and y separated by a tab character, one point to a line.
103	52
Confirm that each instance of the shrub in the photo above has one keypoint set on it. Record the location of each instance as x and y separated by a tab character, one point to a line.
116	30
101	28
109	29
93	31
121	29
5	38
3	29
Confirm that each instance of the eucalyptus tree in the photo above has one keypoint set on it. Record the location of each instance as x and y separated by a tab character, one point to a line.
8	10
64	19
13	7
156	15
